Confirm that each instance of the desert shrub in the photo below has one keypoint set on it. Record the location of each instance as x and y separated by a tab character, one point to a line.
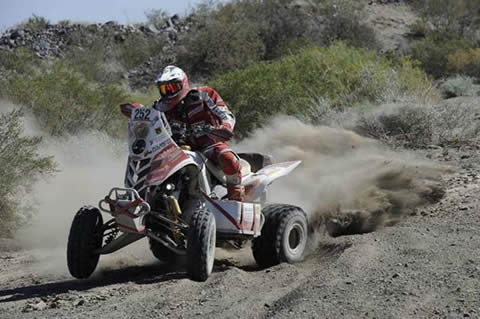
410	124
405	125
456	86
64	102
450	29
136	49
340	75
281	25
465	62
104	60
341	20
456	123
145	97
34	23
434	50
93	61
64	23
20	165
223	40
454	17
20	61
157	17
238	33
419	29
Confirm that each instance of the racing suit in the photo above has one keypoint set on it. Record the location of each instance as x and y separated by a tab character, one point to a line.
203	107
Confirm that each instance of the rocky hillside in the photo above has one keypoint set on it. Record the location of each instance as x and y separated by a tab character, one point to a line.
55	41
389	19
52	40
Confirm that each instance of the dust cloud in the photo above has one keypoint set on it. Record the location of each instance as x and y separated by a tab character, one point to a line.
346	182
89	165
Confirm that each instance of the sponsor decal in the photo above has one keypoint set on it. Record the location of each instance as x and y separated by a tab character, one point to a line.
158	147
168	158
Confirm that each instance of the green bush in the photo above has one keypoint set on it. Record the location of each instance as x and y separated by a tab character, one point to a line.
341	75
20	61
239	33
64	102
465	62
20	165
136	49
434	50
342	22
224	39
95	61
35	23
103	59
64	23
146	97
450	30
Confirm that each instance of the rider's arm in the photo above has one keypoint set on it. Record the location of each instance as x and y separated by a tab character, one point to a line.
218	107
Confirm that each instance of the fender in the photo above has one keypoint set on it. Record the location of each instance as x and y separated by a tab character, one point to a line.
256	183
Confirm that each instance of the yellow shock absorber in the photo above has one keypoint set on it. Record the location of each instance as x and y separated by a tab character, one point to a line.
175	206
176	212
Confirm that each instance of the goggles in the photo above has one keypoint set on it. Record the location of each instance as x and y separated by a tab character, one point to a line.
169	88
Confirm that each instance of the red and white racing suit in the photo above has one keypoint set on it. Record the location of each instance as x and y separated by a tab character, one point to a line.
210	110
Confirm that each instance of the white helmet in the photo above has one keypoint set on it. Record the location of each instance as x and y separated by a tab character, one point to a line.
172	85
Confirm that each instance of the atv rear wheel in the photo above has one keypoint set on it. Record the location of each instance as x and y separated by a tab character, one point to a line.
161	252
84	238
284	236
201	245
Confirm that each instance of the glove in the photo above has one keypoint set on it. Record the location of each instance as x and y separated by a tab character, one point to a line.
221	133
199	130
217	133
178	132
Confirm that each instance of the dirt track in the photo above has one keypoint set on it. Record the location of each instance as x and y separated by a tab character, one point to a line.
425	266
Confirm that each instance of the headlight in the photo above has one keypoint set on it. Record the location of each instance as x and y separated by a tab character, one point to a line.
141	130
138	146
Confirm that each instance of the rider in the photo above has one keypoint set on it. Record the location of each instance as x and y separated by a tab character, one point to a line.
202	111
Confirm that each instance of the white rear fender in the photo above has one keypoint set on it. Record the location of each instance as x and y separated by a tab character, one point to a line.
256	183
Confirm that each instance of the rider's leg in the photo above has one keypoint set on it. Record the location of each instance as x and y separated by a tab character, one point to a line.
232	169
230	164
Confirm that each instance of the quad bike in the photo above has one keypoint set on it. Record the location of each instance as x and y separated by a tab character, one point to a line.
176	198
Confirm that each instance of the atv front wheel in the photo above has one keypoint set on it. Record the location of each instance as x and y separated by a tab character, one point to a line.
84	238
201	245
161	252
284	236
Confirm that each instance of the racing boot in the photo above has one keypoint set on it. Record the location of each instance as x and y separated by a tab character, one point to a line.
236	192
